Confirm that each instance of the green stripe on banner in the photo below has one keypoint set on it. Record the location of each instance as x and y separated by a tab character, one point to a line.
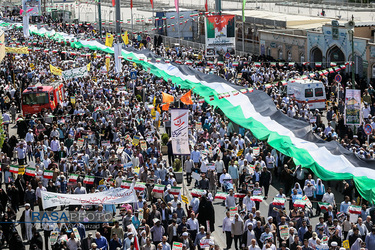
282	143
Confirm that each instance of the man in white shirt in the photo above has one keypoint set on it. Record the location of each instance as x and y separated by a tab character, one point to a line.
249	204
30	137
38	195
329	197
193	226
227	229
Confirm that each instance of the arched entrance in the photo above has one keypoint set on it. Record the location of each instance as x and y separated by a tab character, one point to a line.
316	55
335	54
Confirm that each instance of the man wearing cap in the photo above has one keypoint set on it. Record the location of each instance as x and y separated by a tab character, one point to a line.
157	232
129	240
199	236
27	227
248	236
184	239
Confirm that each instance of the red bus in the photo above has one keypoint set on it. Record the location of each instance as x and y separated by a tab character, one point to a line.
38	97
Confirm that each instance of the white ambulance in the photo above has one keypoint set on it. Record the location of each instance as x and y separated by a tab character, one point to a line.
310	91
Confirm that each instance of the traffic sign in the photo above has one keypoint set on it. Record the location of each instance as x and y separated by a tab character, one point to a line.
338	78
368	129
148	39
133	75
227	55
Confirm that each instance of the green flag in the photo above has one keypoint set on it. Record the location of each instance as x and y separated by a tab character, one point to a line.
243	10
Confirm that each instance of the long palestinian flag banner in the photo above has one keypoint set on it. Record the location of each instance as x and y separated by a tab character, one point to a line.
253	111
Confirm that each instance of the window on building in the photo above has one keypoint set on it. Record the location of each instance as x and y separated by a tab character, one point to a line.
280	54
289	56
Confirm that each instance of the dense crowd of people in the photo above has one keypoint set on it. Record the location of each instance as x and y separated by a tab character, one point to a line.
109	109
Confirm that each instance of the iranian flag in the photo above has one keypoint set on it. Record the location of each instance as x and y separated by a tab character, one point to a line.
172	17
318	64
355	209
189	62
175	190
73	177
320	73
299	203
221	195
167	61
331	70
201	100
30	171
158	189
210	63
323	205
333	64
220	63
304	77
337	69
140	186
47	174
343	66
312	74
226	94
325	72
250	90
278	201
273	64
243	91
13	169
197	192
126	184
305	63
235	64
158	60
129	58
239	195
257	64
149	59
212	97
221	96
291	64
257	198
268	85
89	179
235	92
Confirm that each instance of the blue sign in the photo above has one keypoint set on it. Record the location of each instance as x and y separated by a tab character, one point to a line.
133	75
148	39
338	78
227	55
368	129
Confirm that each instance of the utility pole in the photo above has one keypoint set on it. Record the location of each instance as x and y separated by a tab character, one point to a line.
353	55
100	18
118	17
218	6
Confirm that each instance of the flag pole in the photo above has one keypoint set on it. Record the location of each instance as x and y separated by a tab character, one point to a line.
131	13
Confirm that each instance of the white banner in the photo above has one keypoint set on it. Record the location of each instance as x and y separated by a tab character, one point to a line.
180	131
111	196
77	72
25	26
117	50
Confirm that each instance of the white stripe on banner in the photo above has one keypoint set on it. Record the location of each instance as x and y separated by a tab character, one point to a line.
180	131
